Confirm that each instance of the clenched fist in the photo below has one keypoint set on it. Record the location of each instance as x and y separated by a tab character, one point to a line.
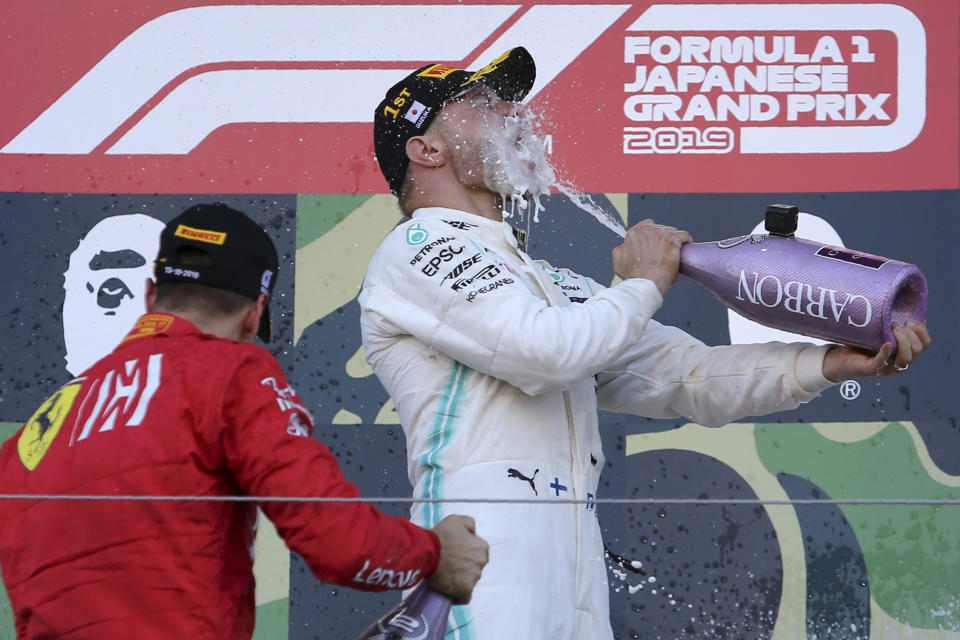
651	251
462	558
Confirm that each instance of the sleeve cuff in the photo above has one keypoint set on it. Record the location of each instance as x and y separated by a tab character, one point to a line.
809	369
432	567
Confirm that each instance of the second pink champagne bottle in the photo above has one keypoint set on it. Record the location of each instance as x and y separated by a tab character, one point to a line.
422	615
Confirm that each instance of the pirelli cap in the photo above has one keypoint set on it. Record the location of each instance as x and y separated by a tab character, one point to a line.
411	105
216	246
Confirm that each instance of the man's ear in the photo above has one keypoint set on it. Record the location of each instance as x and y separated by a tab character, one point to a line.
150	289
426	151
250	321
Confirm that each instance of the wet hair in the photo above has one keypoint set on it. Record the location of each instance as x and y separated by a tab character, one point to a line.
211	301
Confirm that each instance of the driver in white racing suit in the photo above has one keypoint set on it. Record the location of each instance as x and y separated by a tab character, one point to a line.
498	363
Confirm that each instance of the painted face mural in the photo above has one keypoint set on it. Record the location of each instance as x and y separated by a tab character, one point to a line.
104	286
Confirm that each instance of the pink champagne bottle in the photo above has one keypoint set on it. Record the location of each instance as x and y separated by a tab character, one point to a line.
422	615
806	287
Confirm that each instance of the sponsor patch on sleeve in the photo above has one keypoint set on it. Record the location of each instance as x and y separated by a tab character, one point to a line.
44	425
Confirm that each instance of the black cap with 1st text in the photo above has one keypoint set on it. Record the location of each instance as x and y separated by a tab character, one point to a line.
411	105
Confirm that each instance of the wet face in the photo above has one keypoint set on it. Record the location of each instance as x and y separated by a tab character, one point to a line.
494	146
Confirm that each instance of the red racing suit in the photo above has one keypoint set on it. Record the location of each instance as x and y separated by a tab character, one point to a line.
176	412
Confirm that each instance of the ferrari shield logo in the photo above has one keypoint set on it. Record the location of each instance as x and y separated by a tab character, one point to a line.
44	425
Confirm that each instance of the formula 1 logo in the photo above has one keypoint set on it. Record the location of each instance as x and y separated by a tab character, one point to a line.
360	51
165	97
789	78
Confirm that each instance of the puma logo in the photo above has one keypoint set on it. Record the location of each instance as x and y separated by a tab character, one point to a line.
513	473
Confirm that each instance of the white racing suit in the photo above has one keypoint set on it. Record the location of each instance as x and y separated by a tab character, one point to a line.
498	364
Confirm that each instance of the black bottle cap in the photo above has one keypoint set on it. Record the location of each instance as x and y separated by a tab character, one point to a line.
781	220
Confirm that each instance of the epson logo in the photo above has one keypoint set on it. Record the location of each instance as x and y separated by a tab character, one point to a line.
211	66
444	255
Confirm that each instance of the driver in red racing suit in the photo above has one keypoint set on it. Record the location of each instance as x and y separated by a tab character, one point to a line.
178	411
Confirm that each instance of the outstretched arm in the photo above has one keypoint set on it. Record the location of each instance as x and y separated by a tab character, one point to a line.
670	374
267	445
472	305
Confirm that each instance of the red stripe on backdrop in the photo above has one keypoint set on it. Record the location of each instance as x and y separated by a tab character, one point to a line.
625	114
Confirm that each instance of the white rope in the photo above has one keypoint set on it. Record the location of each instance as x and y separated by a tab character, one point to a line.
379	500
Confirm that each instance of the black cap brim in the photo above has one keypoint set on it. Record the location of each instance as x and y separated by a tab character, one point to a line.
510	76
